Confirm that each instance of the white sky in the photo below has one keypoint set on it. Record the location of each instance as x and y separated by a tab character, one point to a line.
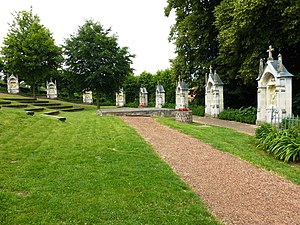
140	24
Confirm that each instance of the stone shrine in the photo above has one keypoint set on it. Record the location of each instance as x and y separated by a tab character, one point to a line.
13	85
160	97
182	97
87	97
120	98
143	97
214	100
51	90
274	94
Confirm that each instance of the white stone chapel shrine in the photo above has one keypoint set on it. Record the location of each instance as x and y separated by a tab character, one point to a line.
274	94
182	96
160	96
214	98
13	85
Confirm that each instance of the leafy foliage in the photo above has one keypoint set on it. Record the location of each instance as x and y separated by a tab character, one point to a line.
150	81
194	36
282	144
95	59
233	35
198	110
246	28
245	115
29	50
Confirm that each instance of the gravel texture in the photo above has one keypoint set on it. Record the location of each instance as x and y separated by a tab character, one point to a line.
235	191
241	127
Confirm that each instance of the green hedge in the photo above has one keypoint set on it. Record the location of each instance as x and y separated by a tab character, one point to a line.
198	110
282	144
169	105
245	115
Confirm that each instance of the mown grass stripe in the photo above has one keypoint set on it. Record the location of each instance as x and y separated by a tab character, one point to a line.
94	170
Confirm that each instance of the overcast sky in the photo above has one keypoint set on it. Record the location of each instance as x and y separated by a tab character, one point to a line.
140	24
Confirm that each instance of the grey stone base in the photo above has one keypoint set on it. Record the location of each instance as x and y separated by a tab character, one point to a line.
139	112
184	116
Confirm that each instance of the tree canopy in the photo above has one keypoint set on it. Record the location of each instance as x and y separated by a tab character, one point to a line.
233	35
194	36
29	50
96	60
247	28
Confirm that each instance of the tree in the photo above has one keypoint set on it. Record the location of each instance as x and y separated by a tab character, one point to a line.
131	87
169	82
96	60
1	65
29	50
246	29
194	36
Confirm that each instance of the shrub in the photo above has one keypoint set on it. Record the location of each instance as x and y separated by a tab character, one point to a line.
283	144
263	130
169	105
245	115
132	104
197	110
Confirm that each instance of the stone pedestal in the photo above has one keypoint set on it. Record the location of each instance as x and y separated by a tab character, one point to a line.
184	116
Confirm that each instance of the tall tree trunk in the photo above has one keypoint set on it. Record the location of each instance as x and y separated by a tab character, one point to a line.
33	87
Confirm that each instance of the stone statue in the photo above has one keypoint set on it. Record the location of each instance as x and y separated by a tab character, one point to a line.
210	70
261	66
270	52
215	77
280	65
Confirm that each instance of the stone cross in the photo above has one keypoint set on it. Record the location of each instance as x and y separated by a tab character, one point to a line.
270	52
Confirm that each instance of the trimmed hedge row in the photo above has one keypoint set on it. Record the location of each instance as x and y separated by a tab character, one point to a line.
282	144
245	115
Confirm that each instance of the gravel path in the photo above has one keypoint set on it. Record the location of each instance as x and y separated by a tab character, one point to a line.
241	127
235	191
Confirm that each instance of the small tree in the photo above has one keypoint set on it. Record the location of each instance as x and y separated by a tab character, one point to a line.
95	58
29	50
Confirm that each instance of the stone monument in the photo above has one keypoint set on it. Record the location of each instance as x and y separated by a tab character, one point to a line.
51	90
120	98
182	98
274	94
160	96
214	100
143	97
87	97
13	85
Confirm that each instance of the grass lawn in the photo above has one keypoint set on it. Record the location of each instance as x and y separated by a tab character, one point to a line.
87	170
241	145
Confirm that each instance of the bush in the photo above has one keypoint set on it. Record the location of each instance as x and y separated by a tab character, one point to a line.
169	105
132	104
263	131
198	110
283	144
244	115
